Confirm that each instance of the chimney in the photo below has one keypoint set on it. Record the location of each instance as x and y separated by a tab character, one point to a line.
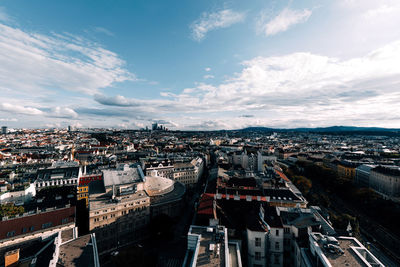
113	191
11	257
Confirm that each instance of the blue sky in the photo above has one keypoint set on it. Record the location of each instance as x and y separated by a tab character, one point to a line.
199	64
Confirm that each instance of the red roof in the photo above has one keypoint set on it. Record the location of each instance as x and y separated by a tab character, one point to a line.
282	175
206	204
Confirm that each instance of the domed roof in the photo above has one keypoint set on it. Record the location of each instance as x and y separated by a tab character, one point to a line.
155	185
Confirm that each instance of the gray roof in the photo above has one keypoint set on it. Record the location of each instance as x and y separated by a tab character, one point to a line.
118	177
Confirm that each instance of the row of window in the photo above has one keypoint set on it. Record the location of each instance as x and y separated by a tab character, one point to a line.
124	212
57	182
32	228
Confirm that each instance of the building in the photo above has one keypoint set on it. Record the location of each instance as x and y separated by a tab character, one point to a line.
81	251
163	168
385	180
347	169
337	251
123	203
4	129
59	248
263	159
119	208
247	161
18	197
166	196
64	175
297	224
209	246
265	234
188	173
276	190
36	224
362	175
83	186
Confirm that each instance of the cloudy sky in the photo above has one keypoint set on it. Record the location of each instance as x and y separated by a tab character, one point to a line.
199	64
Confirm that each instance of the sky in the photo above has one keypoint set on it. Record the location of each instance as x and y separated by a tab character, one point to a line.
199	65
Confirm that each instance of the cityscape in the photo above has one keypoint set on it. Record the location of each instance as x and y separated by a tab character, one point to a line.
199	133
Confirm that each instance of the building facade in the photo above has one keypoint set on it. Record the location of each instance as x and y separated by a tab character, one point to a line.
385	180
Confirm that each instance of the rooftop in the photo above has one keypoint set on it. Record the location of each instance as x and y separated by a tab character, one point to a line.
207	246
78	252
123	175
155	186
177	193
100	201
342	251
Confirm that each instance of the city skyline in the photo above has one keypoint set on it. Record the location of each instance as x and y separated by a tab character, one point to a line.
199	65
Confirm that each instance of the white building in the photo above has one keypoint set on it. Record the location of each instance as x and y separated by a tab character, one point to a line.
385	180
262	158
209	246
329	251
189	173
19	197
265	239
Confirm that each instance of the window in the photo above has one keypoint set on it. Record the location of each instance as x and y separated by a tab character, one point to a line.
32	228
24	230
276	259
286	230
258	242
257	256
277	232
65	220
10	234
276	245
47	225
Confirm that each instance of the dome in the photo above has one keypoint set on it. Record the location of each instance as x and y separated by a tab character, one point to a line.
155	186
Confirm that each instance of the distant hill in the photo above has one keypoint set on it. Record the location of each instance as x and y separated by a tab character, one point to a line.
331	130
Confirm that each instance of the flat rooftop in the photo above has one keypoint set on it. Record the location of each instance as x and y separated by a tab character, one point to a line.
78	252
211	250
354	253
234	255
104	200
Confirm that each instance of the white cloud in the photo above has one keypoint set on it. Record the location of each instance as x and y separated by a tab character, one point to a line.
214	20
207	69
63	112
293	90
103	30
283	21
9	119
208	76
18	109
32	62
